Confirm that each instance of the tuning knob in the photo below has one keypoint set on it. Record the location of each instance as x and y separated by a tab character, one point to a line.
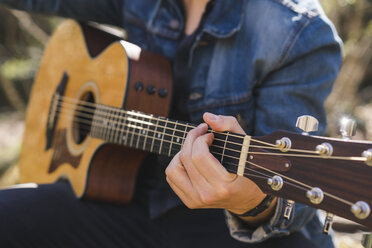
276	182
315	195
307	123
347	128
361	210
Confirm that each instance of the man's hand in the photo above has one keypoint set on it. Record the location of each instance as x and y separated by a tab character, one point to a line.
199	179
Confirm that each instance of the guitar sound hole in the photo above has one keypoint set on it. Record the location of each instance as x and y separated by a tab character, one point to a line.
83	117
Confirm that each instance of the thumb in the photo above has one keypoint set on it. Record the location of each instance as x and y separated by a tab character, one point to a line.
223	123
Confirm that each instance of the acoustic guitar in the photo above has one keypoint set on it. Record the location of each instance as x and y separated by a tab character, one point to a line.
97	109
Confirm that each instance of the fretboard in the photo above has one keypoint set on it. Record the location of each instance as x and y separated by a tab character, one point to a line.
158	134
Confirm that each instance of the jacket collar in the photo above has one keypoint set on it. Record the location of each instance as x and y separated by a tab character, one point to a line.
225	18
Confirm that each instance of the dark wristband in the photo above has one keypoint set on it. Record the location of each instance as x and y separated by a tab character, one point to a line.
265	204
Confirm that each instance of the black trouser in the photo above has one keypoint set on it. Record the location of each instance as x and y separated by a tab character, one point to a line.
51	216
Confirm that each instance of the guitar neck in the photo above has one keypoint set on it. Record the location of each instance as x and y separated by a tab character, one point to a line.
156	134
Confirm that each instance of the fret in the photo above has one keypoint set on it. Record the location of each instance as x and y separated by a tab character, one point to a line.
130	129
120	127
157	135
126	136
146	133
224	148
172	137
166	137
111	125
217	145
136	130
142	132
117	125
163	138
181	130
160	131
152	135
105	123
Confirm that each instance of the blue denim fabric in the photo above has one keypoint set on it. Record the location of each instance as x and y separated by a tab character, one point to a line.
265	62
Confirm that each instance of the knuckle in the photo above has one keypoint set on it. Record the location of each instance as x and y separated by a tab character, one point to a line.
191	133
183	156
207	198
223	193
231	119
197	158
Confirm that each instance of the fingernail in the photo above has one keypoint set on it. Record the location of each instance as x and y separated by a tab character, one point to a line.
211	116
202	125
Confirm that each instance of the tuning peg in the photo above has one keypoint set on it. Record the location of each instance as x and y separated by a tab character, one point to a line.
288	209
276	182
361	210
307	123
328	223
347	128
315	195
367	154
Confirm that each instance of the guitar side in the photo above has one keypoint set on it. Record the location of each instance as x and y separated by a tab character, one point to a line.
105	74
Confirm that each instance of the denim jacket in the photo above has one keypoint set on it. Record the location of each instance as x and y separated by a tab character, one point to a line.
265	62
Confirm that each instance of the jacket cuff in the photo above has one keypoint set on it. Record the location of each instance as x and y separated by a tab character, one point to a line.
276	226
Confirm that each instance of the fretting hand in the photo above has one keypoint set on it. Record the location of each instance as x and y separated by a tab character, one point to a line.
200	180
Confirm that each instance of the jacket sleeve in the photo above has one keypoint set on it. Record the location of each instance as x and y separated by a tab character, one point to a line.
298	86
103	11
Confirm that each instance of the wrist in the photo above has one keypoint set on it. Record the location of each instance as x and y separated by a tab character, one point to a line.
258	209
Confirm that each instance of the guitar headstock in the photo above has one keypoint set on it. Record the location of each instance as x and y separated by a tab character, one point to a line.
325	173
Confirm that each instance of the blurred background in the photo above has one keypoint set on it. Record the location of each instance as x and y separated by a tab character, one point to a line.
23	37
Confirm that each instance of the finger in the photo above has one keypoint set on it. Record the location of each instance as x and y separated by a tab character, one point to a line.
223	123
185	198
177	174
208	165
186	151
179	181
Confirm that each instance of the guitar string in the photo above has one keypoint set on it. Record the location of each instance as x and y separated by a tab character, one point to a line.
304	186
222	147
191	126
82	114
296	186
318	156
94	105
271	145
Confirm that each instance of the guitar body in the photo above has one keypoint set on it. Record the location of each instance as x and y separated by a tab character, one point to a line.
87	64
